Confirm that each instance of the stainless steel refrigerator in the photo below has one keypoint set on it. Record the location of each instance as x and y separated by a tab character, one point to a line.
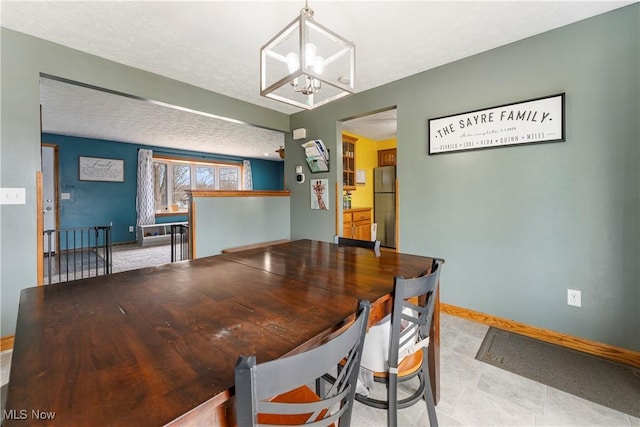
384	204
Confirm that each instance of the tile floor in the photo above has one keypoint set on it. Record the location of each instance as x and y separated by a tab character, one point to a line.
474	393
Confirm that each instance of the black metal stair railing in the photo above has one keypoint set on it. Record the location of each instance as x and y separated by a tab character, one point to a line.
77	253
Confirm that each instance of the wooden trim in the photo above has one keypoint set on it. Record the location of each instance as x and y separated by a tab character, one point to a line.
254	246
6	343
39	231
176	213
397	214
610	352
337	231
240	193
349	138
197	160
352	210
192	229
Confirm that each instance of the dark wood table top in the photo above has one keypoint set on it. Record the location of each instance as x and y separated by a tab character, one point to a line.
145	347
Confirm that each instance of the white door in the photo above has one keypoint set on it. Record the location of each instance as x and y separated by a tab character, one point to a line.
48	196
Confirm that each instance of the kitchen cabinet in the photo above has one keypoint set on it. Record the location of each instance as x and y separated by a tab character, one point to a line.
356	223
387	157
348	162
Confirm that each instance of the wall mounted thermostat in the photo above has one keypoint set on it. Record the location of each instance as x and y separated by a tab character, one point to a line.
299	175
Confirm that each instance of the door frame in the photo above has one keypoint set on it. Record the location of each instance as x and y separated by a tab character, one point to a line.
339	189
39	230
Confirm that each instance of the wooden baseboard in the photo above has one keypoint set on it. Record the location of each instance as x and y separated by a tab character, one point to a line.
616	354
6	343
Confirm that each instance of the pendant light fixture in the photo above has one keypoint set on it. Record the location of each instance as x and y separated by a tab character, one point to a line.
306	64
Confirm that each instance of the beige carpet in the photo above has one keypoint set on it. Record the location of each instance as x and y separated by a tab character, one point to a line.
132	256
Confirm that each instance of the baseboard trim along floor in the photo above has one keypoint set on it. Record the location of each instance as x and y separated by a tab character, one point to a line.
616	354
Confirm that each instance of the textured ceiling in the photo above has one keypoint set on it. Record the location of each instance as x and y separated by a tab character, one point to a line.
215	45
378	126
79	111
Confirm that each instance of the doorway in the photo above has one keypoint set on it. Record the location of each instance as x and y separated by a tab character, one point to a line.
50	213
376	185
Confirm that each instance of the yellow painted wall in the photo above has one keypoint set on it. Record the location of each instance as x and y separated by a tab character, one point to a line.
366	159
386	144
366	153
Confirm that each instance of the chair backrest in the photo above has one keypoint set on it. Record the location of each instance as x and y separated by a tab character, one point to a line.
257	384
368	244
411	322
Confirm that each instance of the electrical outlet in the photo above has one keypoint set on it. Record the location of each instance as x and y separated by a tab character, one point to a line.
131	229
574	298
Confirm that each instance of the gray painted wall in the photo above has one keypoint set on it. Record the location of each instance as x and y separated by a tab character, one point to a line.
519	225
228	222
23	59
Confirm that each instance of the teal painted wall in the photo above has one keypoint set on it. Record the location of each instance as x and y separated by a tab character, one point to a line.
103	203
520	225
23	59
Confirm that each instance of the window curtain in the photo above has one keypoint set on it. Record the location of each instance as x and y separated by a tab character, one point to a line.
145	195
248	178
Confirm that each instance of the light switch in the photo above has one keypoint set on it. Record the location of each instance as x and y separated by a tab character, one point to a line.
12	196
65	196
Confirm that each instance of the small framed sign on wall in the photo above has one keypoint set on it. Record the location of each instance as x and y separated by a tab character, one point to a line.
100	169
526	122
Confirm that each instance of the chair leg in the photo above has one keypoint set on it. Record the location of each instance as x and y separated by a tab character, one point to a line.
392	399
428	397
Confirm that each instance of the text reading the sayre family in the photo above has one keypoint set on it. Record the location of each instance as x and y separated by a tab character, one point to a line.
539	120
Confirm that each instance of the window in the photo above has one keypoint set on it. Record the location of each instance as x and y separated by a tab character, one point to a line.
160	187
173	178
229	177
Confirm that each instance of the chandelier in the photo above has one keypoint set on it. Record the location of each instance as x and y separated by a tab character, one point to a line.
306	64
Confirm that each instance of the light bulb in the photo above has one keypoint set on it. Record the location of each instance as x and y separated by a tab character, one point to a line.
292	62
319	65
310	53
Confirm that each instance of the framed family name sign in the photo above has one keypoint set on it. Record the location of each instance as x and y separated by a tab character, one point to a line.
526	122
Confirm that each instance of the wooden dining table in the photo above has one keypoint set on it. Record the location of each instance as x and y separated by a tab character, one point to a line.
158	346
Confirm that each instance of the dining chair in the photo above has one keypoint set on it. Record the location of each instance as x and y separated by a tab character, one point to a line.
277	392
368	244
396	348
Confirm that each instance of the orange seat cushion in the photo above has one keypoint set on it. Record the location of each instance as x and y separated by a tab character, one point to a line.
299	395
407	366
